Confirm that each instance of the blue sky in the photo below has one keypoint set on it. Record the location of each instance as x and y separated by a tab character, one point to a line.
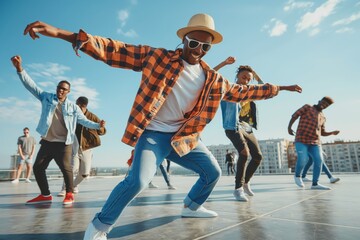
311	43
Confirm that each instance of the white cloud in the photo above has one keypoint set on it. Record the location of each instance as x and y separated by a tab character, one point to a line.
49	69
314	32
47	75
278	29
16	110
346	21
130	33
291	5
79	88
313	19
123	16
345	30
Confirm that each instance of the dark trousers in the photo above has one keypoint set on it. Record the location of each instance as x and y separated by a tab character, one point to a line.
246	144
230	168
61	153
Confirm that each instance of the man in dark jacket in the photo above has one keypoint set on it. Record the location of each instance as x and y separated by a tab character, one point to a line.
86	139
230	160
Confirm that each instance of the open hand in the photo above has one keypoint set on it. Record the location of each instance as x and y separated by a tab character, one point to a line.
39	27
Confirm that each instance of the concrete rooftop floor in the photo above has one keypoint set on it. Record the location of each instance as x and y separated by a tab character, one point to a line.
279	210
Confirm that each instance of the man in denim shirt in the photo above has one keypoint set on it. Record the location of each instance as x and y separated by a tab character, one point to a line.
56	126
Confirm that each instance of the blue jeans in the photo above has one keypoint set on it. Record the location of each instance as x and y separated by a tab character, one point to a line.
165	174
152	148
308	165
303	152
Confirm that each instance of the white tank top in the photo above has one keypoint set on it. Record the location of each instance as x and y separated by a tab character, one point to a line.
182	99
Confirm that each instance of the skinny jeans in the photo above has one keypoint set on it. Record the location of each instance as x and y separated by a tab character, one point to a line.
150	151
246	145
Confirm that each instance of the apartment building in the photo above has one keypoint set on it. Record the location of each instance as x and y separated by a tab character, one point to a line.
342	156
279	156
275	157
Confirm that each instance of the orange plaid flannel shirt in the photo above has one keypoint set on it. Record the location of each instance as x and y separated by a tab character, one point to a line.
160	70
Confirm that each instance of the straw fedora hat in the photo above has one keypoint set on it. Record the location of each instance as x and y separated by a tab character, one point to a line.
201	22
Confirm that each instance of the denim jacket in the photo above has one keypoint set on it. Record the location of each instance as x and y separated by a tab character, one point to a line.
230	115
230	112
71	112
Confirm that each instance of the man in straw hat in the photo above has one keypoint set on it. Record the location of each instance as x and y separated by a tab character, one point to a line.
179	94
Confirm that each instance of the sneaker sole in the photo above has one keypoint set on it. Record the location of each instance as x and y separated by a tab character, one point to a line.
320	188
189	216
68	203
249	193
242	200
30	203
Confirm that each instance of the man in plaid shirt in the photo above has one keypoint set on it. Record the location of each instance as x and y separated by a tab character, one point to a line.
178	95
307	141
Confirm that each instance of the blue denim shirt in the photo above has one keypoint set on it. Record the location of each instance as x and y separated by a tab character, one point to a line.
71	112
230	115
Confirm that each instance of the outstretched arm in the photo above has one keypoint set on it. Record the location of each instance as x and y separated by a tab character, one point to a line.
324	133
229	60
35	28
25	79
291	88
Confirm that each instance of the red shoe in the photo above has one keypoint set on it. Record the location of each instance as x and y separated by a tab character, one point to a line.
40	199
69	198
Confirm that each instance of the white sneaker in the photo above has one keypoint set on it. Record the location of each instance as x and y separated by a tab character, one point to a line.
61	193
76	189
15	181
201	212
151	185
92	233
334	180
240	195
171	187
247	189
299	182
27	180
320	187
305	179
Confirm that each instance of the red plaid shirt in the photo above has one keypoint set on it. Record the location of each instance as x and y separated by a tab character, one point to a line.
311	124
160	70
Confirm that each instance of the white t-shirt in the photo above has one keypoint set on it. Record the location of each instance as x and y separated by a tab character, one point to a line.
182	99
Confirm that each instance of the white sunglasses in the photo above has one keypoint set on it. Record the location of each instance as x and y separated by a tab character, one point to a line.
192	44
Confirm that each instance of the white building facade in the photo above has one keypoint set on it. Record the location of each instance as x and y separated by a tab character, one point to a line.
274	152
342	156
279	156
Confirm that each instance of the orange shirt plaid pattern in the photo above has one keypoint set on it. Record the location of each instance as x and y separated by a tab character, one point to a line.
160	70
311	124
